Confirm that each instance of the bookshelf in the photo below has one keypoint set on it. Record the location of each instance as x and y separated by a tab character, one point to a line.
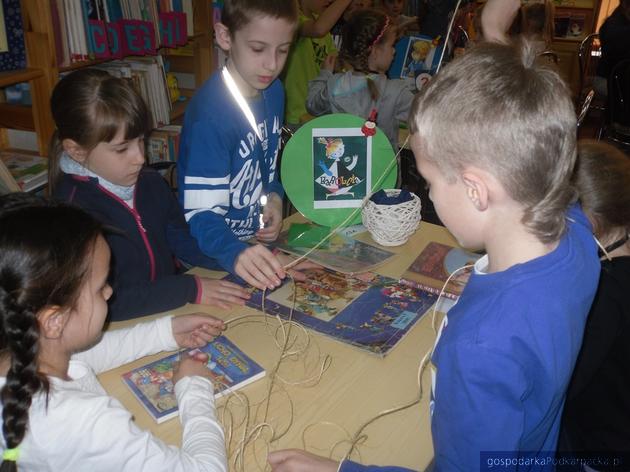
43	70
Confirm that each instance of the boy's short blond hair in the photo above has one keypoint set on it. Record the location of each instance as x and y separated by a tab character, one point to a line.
499	109
238	13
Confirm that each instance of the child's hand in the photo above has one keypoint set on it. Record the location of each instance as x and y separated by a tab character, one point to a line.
296	270
272	217
295	460
196	330
191	365
257	266
329	62
222	293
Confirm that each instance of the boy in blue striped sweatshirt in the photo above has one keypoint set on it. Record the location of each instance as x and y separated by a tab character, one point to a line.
230	142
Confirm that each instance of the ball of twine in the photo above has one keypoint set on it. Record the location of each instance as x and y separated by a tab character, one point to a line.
391	225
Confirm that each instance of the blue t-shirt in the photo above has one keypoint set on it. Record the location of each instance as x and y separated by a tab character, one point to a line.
505	356
223	168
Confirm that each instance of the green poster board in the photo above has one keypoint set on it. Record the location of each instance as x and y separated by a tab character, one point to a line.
329	166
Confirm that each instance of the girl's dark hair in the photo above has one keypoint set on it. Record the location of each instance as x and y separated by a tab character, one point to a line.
358	36
89	106
602	178
43	263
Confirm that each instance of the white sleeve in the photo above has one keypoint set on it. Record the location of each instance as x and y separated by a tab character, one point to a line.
99	435
121	346
202	436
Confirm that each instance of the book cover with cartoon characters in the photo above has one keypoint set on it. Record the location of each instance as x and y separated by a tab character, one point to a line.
415	56
152	383
367	310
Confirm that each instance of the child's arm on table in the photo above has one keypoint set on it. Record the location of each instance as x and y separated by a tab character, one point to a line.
100	433
180	241
120	346
140	298
206	197
317	28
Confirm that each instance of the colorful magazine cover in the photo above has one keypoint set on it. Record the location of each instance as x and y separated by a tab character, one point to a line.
341	254
342	167
437	262
365	310
415	56
152	385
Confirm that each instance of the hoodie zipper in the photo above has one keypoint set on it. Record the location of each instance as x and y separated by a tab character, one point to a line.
141	229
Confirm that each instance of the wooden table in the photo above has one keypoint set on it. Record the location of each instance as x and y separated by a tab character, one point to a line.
355	388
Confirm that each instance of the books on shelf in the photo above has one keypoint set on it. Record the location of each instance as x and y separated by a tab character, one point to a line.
110	29
148	77
368	311
230	369
22	172
163	144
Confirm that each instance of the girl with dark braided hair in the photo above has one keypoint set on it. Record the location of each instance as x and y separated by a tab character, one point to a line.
367	52
54	265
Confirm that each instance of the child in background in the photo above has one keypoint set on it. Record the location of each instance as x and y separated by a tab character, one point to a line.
394	9
229	155
54	263
97	163
493	135
596	417
313	46
337	30
537	23
368	50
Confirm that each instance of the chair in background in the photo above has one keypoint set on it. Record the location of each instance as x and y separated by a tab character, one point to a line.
589	52
618	109
550	55
585	108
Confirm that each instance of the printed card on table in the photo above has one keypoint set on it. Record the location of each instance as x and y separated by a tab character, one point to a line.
342	167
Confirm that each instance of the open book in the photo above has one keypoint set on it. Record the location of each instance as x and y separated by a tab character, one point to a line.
368	311
341	253
230	369
22	172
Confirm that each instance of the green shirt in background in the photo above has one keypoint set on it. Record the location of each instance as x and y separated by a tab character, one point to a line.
303	64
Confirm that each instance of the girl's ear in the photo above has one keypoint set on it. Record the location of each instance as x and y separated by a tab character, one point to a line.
222	33
52	321
74	150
